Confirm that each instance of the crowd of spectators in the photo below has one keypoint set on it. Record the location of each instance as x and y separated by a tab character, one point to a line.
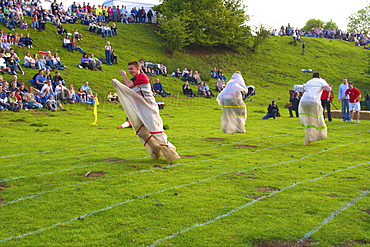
47	91
360	39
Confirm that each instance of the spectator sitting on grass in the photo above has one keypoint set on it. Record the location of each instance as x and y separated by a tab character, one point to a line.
113	98
29	99
176	73
29	62
187	90
25	25
67	43
12	99
52	104
84	89
74	95
196	77
75	46
214	73
40	80
220	85
220	75
77	35
61	30
95	63
62	93
84	61
21	42
3	65
90	97
158	89
4	102
28	41
208	91
185	73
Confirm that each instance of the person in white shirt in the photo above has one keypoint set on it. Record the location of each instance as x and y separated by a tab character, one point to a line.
62	93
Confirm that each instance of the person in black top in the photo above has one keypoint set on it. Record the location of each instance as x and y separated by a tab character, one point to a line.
272	111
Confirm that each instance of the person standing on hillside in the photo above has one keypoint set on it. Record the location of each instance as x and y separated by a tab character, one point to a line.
303	48
354	100
344	100
311	111
234	111
108	53
137	100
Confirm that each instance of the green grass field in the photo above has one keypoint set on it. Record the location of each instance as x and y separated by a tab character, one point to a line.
66	182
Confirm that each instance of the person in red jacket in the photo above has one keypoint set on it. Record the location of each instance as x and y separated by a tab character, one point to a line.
354	100
326	98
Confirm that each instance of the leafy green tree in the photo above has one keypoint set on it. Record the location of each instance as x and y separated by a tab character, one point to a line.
207	23
176	33
313	24
330	25
360	21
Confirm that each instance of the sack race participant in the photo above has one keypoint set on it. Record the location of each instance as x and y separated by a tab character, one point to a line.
311	111
234	111
141	108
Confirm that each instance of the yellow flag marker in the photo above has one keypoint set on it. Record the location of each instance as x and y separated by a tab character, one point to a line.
96	103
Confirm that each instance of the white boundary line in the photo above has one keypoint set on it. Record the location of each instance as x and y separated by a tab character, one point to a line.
335	213
183	185
250	203
133	140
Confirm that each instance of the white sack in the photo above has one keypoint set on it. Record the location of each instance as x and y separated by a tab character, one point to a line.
311	112
142	110
234	111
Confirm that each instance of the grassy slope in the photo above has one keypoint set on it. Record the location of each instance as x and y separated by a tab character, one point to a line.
273	70
230	179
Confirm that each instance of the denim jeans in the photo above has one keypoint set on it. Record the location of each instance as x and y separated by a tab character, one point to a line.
345	110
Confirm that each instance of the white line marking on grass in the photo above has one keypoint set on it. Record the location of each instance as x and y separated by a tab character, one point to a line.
10	179
178	164
256	200
176	187
335	213
107	144
53	190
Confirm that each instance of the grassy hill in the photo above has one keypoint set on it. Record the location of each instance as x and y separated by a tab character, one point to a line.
273	70
66	182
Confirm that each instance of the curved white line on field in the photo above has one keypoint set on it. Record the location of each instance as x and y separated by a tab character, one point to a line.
133	140
335	213
141	171
250	203
139	147
128	174
183	185
53	190
223	157
10	179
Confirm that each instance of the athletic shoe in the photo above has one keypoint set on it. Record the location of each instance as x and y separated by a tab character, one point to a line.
358	121
343	120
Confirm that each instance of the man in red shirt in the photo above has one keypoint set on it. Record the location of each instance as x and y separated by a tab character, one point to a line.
325	102
137	100
354	100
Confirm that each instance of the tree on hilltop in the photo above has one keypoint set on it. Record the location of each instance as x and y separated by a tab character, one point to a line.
360	22
207	23
317	23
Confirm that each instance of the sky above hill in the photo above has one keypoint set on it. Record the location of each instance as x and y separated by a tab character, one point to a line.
275	13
